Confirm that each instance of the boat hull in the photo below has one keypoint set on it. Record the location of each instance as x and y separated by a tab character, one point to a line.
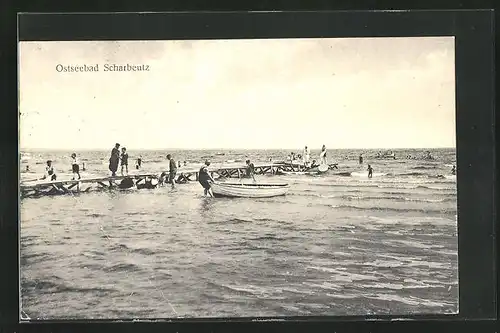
234	190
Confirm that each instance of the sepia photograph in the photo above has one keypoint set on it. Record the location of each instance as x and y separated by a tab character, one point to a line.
237	178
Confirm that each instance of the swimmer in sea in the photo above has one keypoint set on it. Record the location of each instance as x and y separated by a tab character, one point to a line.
360	158
370	171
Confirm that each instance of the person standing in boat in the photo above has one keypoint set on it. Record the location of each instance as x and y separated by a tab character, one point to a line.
250	170
172	170
114	160
75	167
370	171
204	179
306	156
124	160
50	173
322	156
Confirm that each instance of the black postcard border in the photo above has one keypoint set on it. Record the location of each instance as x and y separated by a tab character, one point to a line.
474	36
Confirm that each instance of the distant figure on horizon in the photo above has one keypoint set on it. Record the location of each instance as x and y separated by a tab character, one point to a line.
124	160
27	168
204	178
250	170
138	163
306	156
370	171
360	158
114	159
454	170
322	156
172	170
185	163
75	167
49	172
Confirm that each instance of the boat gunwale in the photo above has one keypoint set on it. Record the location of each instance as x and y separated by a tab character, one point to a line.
250	185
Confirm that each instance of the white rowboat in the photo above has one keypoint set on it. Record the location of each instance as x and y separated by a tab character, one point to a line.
254	190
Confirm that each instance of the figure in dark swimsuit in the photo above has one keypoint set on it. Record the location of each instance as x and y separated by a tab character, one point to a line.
173	170
124	160
114	160
204	179
370	171
250	170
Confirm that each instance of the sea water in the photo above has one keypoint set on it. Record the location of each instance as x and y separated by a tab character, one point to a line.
336	244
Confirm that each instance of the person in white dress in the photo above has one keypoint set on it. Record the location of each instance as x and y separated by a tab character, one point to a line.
322	156
306	156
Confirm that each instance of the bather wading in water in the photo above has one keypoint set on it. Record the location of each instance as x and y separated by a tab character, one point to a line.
204	179
370	171
172	170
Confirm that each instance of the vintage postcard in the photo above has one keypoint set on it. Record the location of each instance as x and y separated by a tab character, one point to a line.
238	178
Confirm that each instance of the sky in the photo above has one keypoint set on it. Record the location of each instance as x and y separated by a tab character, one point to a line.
251	94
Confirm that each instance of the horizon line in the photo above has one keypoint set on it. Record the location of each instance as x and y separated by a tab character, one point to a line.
219	148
